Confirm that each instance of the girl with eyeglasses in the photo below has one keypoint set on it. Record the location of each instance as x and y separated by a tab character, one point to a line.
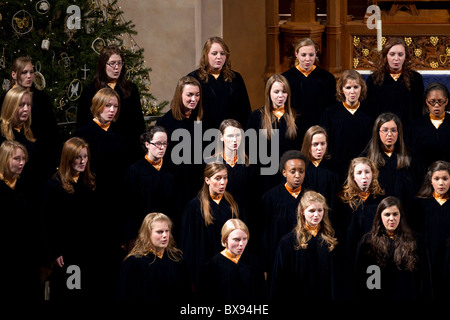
150	187
429	135
399	172
112	72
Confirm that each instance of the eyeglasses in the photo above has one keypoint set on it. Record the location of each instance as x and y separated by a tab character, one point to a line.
387	131
433	102
159	144
115	64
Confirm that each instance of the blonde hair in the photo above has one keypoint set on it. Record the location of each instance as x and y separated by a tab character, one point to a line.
10	108
268	119
350	192
301	233
304	42
229	226
6	152
210	170
101	99
144	245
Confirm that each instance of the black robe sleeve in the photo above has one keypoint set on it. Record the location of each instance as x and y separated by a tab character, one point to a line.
223	99
311	95
154	280
223	281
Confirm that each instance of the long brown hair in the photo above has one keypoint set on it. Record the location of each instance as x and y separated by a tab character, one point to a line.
71	148
143	244
268	119
426	191
176	104
9	110
211	169
203	69
350	192
101	78
375	145
301	233
307	141
382	65
405	255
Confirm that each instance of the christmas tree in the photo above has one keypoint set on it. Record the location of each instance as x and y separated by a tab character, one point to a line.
64	38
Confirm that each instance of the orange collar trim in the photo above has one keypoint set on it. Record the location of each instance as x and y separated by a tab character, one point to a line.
233	257
294	192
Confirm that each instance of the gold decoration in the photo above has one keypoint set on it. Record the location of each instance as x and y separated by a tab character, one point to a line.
434	64
408	41
434	40
418	52
355	62
383	40
356	41
365	52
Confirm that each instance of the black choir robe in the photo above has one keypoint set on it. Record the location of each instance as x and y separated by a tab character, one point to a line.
323	179
199	242
154	280
149	190
23	248
435	220
279	209
395	284
283	144
223	100
400	183
130	122
350	226
348	134
224	281
311	95
190	173
429	143
307	274
45	129
393	96
109	159
71	224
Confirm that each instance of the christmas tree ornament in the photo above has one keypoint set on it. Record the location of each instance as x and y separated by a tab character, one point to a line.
42	7
74	89
39	80
22	22
97	45
5	85
45	44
